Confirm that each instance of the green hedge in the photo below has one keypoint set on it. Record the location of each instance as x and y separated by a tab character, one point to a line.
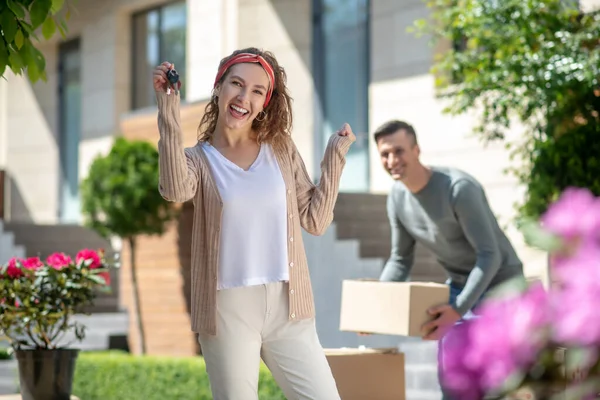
115	375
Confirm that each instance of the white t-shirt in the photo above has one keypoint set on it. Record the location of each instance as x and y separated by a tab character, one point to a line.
254	224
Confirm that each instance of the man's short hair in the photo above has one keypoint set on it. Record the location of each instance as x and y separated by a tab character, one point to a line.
393	126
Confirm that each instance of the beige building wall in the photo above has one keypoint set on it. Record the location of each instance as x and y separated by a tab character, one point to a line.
31	152
284	27
402	88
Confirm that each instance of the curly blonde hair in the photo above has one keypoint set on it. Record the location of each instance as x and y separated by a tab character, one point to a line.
276	125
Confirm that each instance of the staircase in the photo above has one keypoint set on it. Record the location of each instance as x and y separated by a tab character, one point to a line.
362	245
363	217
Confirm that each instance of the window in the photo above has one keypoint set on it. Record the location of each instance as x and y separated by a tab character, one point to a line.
341	73
69	68
159	35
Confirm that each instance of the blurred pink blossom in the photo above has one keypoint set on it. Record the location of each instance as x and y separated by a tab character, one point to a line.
576	321
575	214
58	260
579	269
509	334
457	377
12	270
504	340
32	263
92	255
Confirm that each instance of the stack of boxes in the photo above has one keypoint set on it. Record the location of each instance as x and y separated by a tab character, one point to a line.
388	308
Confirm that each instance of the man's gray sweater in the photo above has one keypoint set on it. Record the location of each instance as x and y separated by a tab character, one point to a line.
451	217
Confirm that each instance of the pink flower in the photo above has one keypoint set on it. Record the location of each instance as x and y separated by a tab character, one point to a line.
576	319
58	260
32	263
87	254
507	336
575	214
457	377
580	269
13	271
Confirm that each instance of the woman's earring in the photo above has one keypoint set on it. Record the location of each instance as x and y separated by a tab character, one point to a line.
264	115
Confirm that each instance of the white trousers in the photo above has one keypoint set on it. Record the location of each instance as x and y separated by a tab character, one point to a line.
252	323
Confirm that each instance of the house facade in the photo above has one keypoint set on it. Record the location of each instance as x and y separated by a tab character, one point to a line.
347	61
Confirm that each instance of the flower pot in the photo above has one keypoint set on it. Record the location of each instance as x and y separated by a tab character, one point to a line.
46	374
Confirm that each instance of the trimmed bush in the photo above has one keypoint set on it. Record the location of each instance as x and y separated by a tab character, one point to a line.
117	375
5	353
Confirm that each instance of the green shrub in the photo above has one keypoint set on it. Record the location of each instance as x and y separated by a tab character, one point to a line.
120	376
6	353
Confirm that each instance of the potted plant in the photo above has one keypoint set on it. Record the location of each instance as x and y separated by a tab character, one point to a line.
38	300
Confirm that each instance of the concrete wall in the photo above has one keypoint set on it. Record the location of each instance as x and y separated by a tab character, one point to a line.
284	27
31	147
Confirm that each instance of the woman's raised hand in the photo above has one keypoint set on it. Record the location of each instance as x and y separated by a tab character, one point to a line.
159	77
346	130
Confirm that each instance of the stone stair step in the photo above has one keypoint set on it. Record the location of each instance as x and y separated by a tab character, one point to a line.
423	395
363	229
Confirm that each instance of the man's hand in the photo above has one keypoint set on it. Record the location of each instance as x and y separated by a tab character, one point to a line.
446	317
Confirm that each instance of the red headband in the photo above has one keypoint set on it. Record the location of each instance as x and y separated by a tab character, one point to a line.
249	58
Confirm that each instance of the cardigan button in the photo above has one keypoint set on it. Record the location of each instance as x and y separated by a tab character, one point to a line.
293	315
292	264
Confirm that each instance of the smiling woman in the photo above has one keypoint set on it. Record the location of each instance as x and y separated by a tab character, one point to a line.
263	72
251	293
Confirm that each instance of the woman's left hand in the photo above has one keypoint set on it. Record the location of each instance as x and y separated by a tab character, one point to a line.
346	130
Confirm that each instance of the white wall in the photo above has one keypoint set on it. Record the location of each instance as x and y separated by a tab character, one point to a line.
284	27
31	148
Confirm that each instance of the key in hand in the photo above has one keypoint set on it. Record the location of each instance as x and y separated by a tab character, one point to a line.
173	78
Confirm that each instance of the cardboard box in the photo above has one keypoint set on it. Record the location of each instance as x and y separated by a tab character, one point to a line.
389	308
361	374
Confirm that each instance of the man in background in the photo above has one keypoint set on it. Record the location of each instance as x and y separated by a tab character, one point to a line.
445	210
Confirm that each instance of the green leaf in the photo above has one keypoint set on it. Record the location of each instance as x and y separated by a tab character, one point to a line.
19	38
3	57
15	61
38	58
16	8
39	12
9	25
57	5
48	27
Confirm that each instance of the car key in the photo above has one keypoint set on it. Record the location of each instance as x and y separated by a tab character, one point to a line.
173	78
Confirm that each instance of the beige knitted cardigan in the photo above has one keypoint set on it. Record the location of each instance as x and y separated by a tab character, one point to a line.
185	174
